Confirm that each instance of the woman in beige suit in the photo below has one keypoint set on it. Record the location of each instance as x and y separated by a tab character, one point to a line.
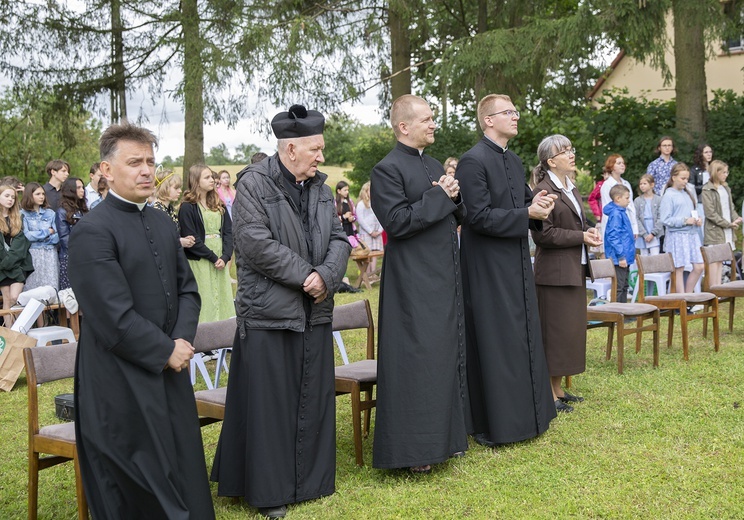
560	267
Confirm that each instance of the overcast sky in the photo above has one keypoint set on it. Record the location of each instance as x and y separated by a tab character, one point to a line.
166	120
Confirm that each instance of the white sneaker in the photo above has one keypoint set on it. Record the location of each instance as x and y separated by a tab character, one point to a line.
67	298
696	308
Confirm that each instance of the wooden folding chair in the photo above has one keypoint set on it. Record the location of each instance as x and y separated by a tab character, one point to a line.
360	376
210	404
669	304
613	315
726	292
57	441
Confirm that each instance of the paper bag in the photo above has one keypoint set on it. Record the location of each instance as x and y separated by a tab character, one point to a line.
12	344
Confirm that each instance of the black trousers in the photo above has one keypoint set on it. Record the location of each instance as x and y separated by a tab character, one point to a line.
621	273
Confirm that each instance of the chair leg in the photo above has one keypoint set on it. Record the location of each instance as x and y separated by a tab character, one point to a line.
705	323
657	321
620	344
639	325
356	417
610	337
670	332
716	338
568	381
33	484
367	414
732	304
685	339
82	502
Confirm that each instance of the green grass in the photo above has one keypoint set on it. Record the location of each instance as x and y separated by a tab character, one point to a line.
651	443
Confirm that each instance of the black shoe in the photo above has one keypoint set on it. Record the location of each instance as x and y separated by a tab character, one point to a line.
273	512
481	439
562	407
568	398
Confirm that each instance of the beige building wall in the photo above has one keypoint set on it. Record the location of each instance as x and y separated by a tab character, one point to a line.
722	71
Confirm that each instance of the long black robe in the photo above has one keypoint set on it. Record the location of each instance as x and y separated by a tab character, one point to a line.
510	395
421	387
278	440
138	436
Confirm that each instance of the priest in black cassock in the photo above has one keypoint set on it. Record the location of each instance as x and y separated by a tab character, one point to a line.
421	387
278	440
510	395
137	430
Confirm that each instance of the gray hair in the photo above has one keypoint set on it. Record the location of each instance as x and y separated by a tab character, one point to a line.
547	148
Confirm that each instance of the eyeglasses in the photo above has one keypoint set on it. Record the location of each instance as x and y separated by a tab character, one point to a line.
567	151
509	113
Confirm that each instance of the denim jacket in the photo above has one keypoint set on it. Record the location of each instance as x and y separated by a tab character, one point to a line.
36	226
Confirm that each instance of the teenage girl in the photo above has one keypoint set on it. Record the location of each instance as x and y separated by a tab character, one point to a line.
370	229
225	191
167	192
203	216
15	260
40	228
682	239
650	227
71	209
345	208
721	219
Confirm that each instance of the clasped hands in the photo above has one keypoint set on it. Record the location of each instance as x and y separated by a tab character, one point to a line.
542	205
315	287
181	356
450	186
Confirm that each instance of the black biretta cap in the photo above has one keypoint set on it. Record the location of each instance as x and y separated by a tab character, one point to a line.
297	122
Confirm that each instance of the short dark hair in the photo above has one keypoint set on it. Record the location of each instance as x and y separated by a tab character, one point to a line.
258	157
110	138
56	164
95	167
617	190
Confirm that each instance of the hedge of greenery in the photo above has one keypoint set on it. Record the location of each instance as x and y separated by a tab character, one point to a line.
625	125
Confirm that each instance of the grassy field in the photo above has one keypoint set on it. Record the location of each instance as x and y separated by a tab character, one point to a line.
652	443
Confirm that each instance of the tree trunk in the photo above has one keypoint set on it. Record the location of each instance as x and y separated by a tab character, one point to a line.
118	89
689	63
400	50
193	87
480	80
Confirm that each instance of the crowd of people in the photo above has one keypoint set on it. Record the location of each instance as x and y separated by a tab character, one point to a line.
472	338
678	209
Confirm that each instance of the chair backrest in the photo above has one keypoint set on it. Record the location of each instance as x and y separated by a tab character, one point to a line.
717	253
215	335
602	268
45	364
356	315
662	263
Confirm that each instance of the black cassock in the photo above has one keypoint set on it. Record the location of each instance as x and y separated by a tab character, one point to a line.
510	395
421	387
137	429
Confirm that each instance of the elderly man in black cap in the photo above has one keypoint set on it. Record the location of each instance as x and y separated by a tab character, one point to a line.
278	440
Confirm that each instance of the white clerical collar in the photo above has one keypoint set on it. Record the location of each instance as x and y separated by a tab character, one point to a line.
140	205
569	185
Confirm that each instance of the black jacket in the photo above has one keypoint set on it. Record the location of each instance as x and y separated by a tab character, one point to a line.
272	255
191	222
